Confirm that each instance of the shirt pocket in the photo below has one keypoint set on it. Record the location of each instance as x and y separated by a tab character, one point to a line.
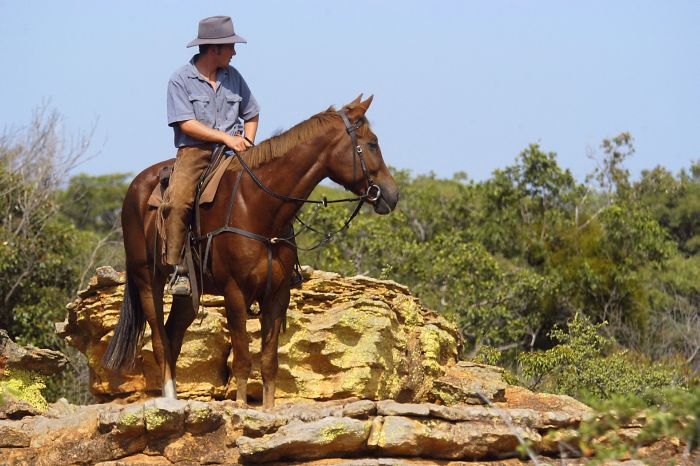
202	111
233	106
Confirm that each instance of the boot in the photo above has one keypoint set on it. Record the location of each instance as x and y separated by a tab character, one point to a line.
179	283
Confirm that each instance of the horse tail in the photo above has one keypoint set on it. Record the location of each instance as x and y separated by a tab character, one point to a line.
124	344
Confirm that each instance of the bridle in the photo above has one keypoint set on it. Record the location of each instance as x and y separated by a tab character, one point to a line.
372	193
359	153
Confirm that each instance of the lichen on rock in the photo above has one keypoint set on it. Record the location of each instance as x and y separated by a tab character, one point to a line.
130	420
155	418
24	385
329	433
436	348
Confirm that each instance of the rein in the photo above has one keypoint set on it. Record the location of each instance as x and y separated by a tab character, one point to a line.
372	193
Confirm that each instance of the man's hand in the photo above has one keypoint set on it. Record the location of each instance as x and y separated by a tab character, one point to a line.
237	143
197	130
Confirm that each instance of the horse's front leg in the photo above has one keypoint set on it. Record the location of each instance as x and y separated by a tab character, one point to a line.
151	296
236	317
273	313
182	314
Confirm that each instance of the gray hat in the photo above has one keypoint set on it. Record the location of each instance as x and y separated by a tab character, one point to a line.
216	30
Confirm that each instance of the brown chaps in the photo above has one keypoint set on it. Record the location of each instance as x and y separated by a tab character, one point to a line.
174	212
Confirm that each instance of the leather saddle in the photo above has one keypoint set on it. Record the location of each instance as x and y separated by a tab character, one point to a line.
209	186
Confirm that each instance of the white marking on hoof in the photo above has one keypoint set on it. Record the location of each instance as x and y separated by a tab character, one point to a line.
169	390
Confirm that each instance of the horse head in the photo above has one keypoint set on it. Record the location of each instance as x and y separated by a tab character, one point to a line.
356	163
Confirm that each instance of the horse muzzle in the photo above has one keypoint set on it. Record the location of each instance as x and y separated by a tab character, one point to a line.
383	199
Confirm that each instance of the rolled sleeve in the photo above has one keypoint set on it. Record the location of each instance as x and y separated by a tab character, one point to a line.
179	105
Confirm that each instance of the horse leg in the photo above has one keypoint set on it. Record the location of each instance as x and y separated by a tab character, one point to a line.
236	317
151	294
272	315
182	314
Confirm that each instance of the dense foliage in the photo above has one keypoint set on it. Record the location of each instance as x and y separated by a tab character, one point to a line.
515	256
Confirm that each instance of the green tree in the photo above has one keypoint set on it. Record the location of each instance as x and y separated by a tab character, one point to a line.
526	205
674	202
38	249
94	202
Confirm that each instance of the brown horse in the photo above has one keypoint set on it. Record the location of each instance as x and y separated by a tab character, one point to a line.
243	269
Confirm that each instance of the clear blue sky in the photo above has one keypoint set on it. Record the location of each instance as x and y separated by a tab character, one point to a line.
458	85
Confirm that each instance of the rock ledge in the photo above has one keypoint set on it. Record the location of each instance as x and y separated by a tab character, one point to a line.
224	432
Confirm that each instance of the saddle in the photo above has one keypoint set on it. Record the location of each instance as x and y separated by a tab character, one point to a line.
209	185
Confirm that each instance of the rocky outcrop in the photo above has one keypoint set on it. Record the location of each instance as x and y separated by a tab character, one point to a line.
224	432
29	358
345	337
349	432
470	383
22	372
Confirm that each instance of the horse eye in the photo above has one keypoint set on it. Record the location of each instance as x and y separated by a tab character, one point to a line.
373	145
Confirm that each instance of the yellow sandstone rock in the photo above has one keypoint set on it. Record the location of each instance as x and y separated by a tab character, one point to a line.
345	337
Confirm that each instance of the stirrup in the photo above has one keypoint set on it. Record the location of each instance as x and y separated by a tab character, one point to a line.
179	285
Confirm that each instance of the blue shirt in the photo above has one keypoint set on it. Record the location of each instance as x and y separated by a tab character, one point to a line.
190	96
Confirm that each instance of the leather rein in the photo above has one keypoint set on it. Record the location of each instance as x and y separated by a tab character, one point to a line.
372	193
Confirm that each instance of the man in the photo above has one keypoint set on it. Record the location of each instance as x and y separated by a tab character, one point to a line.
206	99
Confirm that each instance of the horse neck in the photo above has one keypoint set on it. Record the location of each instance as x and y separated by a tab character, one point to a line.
295	174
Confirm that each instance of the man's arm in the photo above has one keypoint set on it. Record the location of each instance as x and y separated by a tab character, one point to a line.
197	130
250	127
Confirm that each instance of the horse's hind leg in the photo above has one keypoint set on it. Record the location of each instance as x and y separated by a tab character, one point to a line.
151	294
236	317
182	314
272	315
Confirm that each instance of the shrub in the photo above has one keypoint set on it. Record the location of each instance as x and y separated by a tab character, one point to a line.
674	415
586	364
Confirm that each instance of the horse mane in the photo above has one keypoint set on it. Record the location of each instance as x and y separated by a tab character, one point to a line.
276	146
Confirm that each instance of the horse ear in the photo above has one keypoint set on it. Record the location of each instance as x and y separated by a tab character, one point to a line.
367	102
356	109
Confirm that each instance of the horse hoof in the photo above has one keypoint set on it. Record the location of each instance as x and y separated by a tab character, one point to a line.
169	390
241	404
167	404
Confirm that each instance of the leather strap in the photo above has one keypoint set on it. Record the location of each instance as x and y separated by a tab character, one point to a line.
192	272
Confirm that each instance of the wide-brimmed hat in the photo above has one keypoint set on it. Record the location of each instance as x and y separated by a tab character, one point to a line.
216	30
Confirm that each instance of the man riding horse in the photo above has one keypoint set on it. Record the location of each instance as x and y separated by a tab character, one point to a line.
249	249
206	100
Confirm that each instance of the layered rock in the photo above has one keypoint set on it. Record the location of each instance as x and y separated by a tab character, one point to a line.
29	358
345	337
349	432
223	432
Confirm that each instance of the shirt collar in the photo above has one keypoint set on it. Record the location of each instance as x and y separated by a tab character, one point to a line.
193	72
